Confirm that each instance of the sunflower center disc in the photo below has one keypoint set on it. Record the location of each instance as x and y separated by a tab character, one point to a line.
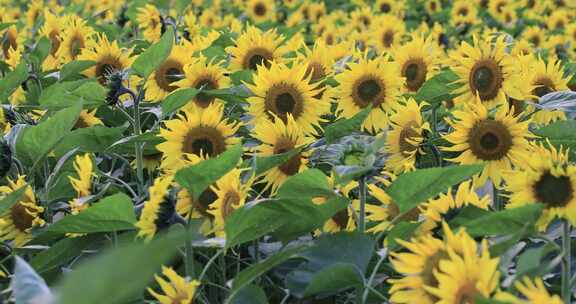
202	145
202	99
260	9
230	200
483	78
341	218
406	134
54	42
255	61
554	191
20	217
206	198
285	103
490	140
388	38
486	79
291	166
467	293
433	6
545	86
76	46
368	90
415	73
173	74
385	8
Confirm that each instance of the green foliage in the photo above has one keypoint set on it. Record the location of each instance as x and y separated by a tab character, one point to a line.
154	55
12	81
344	127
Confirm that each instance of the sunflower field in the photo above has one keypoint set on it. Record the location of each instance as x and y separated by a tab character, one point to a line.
295	151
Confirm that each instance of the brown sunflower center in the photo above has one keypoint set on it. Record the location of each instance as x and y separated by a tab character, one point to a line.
260	9
554	191
202	99
20	217
415	72
204	140
256	57
169	72
365	20
317	70
490	140
486	78
81	123
543	86
283	99
535	40
329	39
369	90
341	218
292	166
385	8
432	263
231	199
206	198
9	43
105	67
467	293
54	42
394	211
76	46
388	38
463	11
433	6
406	134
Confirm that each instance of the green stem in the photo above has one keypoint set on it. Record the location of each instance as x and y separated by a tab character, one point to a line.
497	200
138	146
434	119
189	254
372	276
362	215
566	271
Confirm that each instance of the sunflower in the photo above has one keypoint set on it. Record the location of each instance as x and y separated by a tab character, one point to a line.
52	29
420	265
150	22
197	132
210	18
522	47
498	141
369	82
392	7
254	48
548	178
487	71
418	60
77	35
231	194
177	290
464	277
109	58
463	13
320	66
535	35
162	81
83	184
361	18
208	75
558	20
533	290
261	10
281	91
12	45
17	222
403	141
433	6
87	119
497	7
33	12
277	137
387	33
147	224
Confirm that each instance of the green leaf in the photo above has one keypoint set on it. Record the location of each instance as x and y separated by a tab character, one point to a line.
401	231
74	68
230	95
35	142
438	88
12	81
89	140
113	213
467	214
334	278
28	286
69	93
6	25
9	200
306	184
344	127
265	163
413	188
241	77
153	56
530	261
119	274
251	294
61	252
200	176
254	271
177	99
504	222
560	133
41	51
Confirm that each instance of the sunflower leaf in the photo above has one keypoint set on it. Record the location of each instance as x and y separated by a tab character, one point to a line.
61	252
12	81
154	55
438	88
9	200
560	133
90	139
413	188
344	127
504	222
262	164
40	52
74	68
250	294
177	99
199	177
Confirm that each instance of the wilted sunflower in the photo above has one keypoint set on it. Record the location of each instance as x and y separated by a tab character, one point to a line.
418	61
487	71
369	82
548	178
498	141
208	75
403	141
150	22
83	184
254	48
281	91
148	223
162	81
197	131
533	290
278	137
75	37
17	222
177	290
231	194
387	33
261	10
109	58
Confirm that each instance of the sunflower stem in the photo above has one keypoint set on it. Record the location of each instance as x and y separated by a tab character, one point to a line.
138	146
566	271
368	287
496	198
189	253
362	215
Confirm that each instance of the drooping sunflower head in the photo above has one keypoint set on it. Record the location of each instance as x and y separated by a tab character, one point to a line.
151	217
372	83
261	10
279	137
194	133
548	178
387	33
205	75
231	194
17	222
77	35
254	48
163	80
109	58
487	71
282	91
403	141
176	290
150	22
418	60
12	45
33	12
498	141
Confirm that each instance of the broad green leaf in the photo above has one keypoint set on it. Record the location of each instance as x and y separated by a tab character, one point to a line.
230	95
413	188
28	286
112	213
198	177
9	200
251	294
149	140
401	231
306	184
89	140
438	88
265	163
241	77
74	68
12	81
254	271
344	127
41	51
467	214
118	274
62	252
177	99
334	278
530	261
153	57
504	222
6	25
69	93
560	133
35	142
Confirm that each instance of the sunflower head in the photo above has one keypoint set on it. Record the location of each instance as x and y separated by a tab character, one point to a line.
163	80
231	194
174	290
77	35
261	10
109	58
205	75
254	48
155	208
